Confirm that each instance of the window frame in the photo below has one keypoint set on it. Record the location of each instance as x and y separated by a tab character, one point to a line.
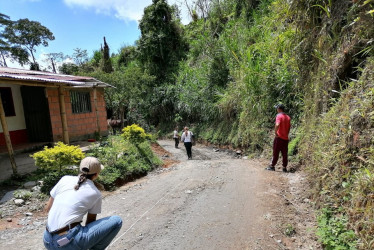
80	102
9	109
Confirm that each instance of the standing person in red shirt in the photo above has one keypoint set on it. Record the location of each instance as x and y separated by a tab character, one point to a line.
282	129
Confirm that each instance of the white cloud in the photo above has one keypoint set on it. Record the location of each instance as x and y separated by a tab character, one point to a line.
127	10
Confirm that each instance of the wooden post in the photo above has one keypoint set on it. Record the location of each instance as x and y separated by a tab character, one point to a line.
63	114
7	138
96	110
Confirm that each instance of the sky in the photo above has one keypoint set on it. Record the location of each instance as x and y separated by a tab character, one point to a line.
83	23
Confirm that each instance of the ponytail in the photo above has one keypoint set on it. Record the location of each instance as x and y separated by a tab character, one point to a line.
82	178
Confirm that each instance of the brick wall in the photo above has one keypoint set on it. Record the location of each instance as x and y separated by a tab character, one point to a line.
80	126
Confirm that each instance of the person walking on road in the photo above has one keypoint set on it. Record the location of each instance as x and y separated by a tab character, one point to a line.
187	139
71	199
280	144
176	137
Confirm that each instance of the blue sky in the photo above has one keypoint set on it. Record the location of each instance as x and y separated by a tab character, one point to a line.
83	23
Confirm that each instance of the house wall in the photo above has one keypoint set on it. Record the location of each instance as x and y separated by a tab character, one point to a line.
80	126
16	124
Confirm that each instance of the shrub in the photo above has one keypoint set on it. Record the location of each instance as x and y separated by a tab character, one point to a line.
123	160
135	134
22	194
333	232
58	157
51	179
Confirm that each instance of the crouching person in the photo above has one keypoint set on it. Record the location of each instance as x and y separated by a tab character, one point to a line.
71	199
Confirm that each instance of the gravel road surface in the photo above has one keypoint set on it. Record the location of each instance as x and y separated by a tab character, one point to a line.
214	201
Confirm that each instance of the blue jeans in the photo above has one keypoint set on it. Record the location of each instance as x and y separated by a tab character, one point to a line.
96	235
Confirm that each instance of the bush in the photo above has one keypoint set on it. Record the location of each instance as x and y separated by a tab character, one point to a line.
123	160
22	194
333	232
135	134
51	179
58	157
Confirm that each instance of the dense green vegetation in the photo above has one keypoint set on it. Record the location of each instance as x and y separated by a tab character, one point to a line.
223	73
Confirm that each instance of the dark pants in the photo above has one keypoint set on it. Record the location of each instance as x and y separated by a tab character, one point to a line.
280	145
176	142
188	146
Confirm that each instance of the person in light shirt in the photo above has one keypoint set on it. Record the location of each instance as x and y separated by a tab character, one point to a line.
176	137
187	138
71	199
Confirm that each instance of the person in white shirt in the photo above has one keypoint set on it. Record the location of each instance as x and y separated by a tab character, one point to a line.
71	199
187	138
176	137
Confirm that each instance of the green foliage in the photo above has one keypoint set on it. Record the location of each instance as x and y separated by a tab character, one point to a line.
68	69
58	157
135	134
333	233
289	230
161	44
28	35
50	179
124	161
22	194
106	63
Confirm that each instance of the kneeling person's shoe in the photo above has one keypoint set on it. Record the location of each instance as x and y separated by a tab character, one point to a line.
284	170
270	168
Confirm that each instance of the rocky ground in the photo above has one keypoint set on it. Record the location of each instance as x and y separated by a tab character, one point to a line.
218	200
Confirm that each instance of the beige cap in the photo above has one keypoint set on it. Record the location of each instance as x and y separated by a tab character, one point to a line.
91	164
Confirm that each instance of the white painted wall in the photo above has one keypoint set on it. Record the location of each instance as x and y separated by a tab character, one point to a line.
15	122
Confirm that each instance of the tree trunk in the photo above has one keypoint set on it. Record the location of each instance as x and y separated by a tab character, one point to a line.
4	62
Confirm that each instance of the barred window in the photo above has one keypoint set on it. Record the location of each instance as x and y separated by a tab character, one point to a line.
80	102
7	100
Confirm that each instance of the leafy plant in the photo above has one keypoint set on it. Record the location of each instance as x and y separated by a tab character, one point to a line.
58	157
333	232
135	134
22	194
51	178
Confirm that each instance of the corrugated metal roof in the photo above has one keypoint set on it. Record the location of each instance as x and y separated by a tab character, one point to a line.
49	78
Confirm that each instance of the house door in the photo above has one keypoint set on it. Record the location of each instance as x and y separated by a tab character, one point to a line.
35	106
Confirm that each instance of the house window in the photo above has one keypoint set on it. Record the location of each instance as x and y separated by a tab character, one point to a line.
80	102
7	100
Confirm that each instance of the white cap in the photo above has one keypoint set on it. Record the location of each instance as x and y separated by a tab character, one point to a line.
91	164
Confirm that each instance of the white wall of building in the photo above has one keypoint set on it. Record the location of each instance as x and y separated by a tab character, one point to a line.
15	122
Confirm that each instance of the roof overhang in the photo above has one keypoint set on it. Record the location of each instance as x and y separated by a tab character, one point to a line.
47	79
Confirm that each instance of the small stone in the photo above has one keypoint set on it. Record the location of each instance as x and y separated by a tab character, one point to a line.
28	214
271	236
19	202
279	241
245	158
9	219
188	192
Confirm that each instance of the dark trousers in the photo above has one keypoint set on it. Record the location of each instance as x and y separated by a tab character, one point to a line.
176	142
280	145
188	146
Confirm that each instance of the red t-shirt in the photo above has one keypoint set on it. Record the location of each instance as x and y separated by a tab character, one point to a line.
284	122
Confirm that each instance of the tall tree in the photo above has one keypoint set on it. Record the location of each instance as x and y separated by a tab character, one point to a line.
80	56
28	35
10	51
53	59
106	63
161	44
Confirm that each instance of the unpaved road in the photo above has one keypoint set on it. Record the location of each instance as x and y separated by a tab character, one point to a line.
214	201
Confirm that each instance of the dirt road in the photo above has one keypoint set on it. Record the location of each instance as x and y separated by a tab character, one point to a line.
214	201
